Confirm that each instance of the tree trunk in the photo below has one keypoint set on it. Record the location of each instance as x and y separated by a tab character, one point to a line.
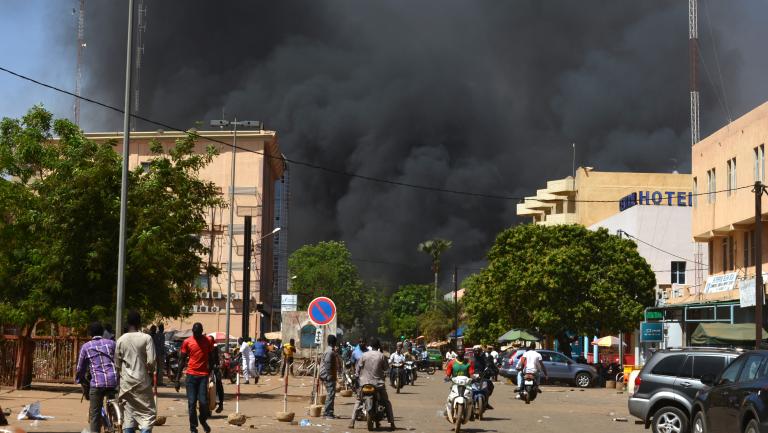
564	344
435	288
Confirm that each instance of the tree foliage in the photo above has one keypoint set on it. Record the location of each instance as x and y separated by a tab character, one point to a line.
435	249
59	219
437	322
326	269
557	279
405	306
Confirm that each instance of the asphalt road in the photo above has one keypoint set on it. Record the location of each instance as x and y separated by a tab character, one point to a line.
418	409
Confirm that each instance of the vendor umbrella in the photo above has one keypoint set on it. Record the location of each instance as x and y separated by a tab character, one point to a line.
220	336
607	341
518	335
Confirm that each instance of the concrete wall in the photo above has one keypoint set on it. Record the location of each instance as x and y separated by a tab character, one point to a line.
292	324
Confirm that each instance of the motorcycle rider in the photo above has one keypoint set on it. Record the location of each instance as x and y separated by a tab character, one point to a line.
410	356
530	362
395	358
483	362
459	367
359	350
370	369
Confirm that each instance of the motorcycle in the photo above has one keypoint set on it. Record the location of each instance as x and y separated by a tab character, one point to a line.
398	374
374	408
480	396
410	373
351	381
230	367
528	390
423	365
458	408
171	366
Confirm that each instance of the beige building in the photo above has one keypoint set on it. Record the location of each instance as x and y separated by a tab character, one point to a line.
725	167
594	195
258	166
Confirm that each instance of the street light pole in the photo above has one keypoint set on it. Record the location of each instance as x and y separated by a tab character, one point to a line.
230	231
124	180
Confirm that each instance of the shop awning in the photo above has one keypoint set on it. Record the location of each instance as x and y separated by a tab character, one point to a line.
723	333
518	335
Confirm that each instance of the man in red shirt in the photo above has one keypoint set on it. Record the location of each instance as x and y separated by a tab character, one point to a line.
195	355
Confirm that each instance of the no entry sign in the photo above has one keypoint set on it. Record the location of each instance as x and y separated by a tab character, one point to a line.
321	311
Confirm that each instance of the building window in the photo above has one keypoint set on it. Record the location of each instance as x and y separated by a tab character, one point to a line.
711	256
711	185
146	166
731	178
678	273
728	262
762	163
756	170
695	195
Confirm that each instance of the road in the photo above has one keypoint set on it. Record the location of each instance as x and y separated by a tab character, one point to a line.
418	409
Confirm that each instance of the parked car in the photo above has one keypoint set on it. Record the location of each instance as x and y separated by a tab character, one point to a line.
667	385
559	368
508	362
435	357
735	399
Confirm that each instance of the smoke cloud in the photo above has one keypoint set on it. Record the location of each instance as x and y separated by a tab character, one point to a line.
482	96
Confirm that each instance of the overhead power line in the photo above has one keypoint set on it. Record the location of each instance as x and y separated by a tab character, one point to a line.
318	166
664	251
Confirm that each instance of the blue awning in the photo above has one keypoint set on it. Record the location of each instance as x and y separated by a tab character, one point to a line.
461	332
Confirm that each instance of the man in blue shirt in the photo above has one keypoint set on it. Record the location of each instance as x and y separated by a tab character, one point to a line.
260	354
359	350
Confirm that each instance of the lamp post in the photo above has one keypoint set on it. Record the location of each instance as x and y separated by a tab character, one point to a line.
235	123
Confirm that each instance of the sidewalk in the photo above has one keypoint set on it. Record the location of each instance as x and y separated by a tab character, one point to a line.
258	402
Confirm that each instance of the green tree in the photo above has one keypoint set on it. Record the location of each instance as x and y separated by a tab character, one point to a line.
558	279
405	307
59	215
435	249
436	323
326	269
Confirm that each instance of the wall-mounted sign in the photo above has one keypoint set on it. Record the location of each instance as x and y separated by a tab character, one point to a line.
654	315
720	283
651	332
747	291
656	198
288	302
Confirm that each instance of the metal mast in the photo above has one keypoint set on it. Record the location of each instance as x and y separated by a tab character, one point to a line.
141	27
693	57
80	49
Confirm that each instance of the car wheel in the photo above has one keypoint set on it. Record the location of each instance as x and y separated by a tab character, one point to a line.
670	419
752	427
699	423
583	380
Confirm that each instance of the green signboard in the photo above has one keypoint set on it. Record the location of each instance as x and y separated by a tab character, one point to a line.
654	315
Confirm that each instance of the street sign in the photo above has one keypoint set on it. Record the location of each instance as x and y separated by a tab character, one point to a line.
654	315
288	302
321	311
319	336
651	332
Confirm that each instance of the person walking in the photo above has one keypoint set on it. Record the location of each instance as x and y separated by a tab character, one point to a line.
195	356
215	364
329	368
289	350
98	358
159	340
135	363
246	357
260	354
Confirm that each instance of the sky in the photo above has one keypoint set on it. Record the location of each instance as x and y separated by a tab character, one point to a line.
480	96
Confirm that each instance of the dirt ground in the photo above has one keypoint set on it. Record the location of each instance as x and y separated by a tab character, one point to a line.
418	408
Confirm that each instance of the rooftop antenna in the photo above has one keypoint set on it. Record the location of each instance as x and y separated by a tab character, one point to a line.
141	27
80	49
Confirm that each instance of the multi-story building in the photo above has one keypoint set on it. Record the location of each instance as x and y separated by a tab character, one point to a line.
726	166
593	196
258	166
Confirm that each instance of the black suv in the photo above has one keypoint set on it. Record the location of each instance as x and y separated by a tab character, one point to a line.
736	400
667	385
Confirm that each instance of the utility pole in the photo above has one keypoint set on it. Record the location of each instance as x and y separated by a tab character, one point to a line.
759	290
124	179
456	304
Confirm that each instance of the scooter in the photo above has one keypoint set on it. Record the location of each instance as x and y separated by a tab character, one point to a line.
458	408
480	393
410	373
528	390
351	381
398	373
374	408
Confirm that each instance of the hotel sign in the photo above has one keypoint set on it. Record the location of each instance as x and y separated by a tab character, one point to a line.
656	198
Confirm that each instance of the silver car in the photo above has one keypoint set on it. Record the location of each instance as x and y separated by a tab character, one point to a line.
561	368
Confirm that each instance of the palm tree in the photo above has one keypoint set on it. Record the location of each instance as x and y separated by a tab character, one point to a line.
435	248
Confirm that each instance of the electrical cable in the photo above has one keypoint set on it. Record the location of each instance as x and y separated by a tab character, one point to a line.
313	165
665	251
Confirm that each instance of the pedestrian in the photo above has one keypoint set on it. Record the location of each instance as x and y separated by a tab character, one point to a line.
158	338
329	368
98	358
196	356
109	332
135	363
215	364
260	354
246	356
288	351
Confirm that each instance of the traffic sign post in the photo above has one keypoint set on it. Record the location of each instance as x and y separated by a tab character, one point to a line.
321	311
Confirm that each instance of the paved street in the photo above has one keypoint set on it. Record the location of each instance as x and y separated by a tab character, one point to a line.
417	409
